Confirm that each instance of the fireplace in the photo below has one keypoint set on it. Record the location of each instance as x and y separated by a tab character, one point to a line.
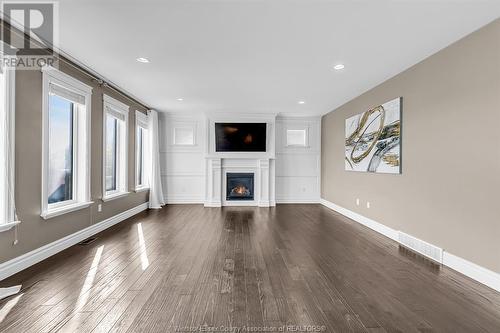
239	186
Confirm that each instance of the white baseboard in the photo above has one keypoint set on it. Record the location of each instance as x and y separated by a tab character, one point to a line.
297	201
467	268
26	260
470	269
374	225
210	204
184	201
183	198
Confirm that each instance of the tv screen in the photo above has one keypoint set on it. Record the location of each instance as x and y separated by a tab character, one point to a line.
240	137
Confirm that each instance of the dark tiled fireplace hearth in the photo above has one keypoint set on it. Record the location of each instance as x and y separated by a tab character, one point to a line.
240	186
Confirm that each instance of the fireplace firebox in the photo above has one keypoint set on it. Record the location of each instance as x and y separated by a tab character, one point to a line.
239	186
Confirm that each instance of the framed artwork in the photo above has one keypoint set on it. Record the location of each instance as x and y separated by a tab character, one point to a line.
373	139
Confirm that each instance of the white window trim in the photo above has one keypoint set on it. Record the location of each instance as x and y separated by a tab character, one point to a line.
66	209
115	195
54	76
8	226
111	104
297	128
10	98
141	120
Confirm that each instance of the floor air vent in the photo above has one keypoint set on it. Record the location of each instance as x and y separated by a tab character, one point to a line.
428	250
87	241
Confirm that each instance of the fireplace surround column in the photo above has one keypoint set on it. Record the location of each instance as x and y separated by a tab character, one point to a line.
264	183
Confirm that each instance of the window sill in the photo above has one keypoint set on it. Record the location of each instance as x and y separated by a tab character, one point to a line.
65	209
8	226
141	189
114	196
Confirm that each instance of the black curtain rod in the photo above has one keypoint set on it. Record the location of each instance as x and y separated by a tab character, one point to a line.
67	59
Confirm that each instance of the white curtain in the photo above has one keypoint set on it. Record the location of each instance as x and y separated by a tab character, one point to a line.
156	199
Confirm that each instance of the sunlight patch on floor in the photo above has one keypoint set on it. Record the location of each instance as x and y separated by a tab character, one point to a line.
89	280
142	245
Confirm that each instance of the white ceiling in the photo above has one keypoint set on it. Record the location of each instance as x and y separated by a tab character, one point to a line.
260	56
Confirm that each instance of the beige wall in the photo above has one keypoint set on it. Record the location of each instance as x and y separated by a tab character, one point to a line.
449	190
34	231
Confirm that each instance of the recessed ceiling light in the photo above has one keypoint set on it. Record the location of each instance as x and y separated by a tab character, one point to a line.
143	60
339	67
180	99
302	102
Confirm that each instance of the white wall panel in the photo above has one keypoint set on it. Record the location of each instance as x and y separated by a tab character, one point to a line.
184	189
182	166
297	189
173	163
298	169
298	165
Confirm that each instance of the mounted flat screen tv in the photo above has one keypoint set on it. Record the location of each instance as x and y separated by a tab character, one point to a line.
240	137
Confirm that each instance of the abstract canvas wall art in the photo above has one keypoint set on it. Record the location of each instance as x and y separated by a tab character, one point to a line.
373	139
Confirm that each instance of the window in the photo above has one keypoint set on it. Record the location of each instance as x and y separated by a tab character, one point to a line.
296	137
115	147
61	150
142	151
66	144
7	209
111	153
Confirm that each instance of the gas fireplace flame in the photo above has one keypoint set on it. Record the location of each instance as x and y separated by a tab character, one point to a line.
240	190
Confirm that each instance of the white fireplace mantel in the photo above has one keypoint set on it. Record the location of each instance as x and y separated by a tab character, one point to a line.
264	175
261	164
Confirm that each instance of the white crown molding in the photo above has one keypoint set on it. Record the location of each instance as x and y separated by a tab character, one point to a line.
298	118
226	116
467	268
26	260
182	114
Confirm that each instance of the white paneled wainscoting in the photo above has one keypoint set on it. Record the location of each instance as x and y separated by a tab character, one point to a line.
182	160
193	172
298	167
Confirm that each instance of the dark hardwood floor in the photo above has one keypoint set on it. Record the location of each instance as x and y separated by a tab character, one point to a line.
187	266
